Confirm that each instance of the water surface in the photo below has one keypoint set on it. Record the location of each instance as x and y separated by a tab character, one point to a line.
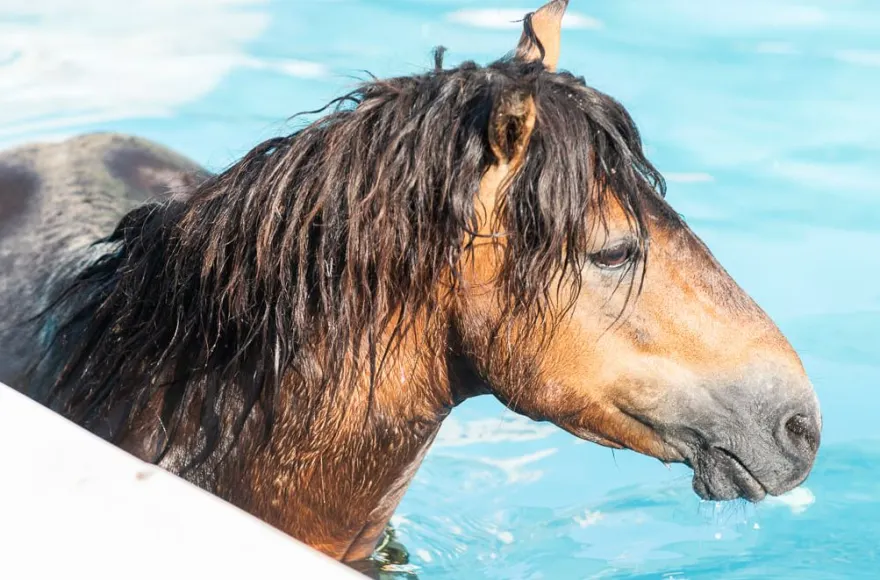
762	114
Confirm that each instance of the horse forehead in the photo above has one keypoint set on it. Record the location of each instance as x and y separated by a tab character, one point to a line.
662	220
18	189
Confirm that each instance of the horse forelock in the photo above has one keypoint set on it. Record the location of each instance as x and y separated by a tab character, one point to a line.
309	259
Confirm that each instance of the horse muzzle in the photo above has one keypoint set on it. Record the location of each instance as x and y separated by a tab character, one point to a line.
751	439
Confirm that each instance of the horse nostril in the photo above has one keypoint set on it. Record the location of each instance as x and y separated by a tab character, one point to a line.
801	430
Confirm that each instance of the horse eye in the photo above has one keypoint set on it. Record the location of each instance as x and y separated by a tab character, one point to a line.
615	256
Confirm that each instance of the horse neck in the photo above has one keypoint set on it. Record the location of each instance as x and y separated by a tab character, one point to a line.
336	485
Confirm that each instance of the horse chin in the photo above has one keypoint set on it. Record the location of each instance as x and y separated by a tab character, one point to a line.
719	475
651	444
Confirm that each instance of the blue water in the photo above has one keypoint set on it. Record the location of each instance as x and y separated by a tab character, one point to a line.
762	113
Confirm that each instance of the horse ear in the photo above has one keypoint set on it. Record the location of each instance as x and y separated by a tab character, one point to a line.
511	125
542	30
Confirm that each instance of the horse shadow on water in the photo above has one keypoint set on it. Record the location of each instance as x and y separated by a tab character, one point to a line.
290	333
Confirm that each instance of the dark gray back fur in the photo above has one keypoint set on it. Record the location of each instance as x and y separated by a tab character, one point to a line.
56	200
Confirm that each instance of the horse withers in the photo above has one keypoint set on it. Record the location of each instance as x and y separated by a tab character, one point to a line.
290	333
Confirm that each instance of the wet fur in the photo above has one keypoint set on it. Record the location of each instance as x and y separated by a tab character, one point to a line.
304	252
243	324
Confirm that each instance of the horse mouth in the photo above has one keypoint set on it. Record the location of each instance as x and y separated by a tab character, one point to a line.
719	475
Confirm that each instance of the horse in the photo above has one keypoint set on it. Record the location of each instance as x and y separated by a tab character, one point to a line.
289	333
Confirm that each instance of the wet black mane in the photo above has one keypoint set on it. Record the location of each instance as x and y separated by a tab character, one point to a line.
298	256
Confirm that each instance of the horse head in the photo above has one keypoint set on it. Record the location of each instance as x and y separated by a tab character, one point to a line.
588	302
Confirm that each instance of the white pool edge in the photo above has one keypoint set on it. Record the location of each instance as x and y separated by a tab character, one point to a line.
74	506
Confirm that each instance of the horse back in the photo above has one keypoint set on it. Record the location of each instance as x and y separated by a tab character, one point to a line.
56	200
